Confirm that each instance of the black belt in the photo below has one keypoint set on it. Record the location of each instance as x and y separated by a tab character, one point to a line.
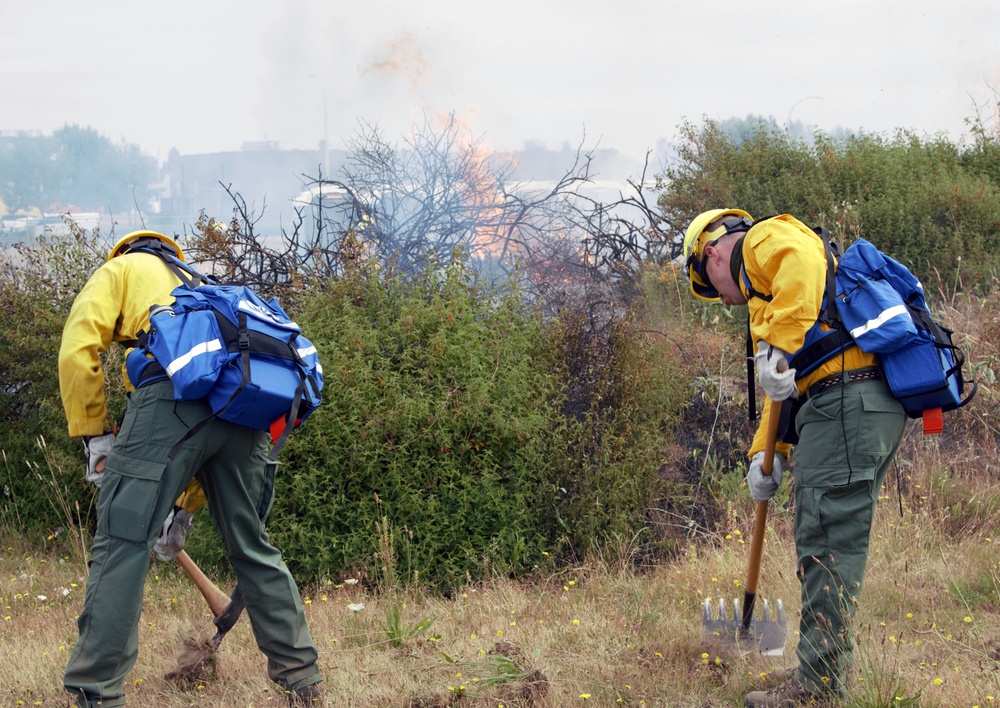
870	373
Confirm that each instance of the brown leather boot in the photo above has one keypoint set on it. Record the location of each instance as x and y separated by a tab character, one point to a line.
777	676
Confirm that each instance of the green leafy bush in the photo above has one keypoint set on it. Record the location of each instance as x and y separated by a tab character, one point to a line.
37	287
624	396
461	435
447	447
426	459
926	201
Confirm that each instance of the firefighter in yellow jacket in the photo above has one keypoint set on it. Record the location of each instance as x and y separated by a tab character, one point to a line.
848	426
81	380
140	479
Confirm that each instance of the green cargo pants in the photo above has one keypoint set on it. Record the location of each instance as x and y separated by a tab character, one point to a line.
847	439
139	488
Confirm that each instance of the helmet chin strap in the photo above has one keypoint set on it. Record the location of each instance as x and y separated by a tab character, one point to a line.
736	260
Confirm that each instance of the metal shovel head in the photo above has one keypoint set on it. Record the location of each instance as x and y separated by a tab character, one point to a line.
764	632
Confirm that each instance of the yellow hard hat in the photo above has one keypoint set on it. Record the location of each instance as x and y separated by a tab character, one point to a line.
695	240
126	242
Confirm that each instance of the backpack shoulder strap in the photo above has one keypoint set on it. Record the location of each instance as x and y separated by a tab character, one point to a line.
828	315
184	272
823	349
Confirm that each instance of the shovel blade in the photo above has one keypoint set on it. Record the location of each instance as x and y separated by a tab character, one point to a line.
766	632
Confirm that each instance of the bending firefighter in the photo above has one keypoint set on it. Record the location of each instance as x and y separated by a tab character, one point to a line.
142	489
848	423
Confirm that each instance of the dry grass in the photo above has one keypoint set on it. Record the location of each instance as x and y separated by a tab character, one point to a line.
597	634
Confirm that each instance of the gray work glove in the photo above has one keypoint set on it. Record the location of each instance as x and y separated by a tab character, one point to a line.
763	487
175	528
777	385
96	448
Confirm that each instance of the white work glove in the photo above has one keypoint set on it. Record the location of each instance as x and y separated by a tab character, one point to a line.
777	386
97	448
763	487
175	528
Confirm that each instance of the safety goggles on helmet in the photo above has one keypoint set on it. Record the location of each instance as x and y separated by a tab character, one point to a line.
698	238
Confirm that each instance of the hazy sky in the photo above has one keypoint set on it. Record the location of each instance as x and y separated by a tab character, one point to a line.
208	75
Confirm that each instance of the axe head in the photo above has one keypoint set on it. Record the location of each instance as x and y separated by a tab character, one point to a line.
225	621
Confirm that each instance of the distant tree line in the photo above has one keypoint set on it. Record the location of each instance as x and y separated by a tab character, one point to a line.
740	129
73	167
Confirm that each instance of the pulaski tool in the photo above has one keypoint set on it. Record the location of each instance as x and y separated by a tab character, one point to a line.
197	660
747	629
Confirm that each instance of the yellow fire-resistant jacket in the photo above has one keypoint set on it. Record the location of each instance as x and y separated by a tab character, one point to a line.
785	259
112	307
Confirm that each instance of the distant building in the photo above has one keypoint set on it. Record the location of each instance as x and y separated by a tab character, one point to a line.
262	174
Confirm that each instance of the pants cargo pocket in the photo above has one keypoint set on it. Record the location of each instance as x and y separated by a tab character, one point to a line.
846	515
129	498
880	426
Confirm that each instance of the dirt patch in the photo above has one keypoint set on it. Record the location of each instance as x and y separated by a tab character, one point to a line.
527	692
196	663
510	650
530	689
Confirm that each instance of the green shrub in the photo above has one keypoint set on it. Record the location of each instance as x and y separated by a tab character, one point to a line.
37	286
426	459
624	395
461	435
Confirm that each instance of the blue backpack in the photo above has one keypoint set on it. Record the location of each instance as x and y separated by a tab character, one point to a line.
225	344
882	307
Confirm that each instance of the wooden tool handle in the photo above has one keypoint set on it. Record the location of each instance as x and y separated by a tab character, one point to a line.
760	516
217	600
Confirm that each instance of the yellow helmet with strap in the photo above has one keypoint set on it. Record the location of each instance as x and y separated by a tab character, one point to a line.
697	237
126	242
